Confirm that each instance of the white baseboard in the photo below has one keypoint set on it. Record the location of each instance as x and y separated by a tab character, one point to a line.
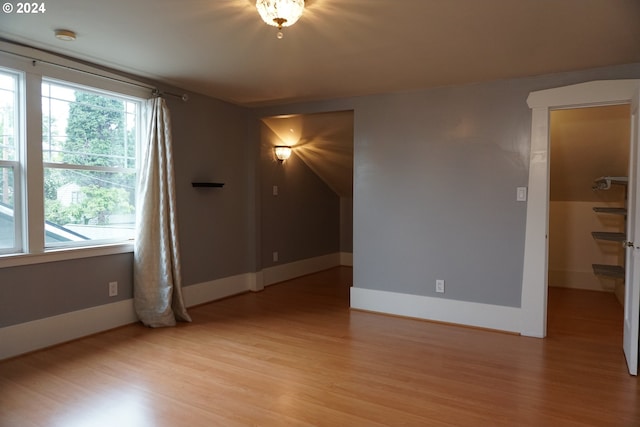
212	290
30	336
280	273
438	309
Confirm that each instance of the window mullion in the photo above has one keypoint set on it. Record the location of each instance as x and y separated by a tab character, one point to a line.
82	191
86	168
33	174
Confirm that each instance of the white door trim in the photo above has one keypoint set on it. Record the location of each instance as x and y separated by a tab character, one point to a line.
534	275
632	265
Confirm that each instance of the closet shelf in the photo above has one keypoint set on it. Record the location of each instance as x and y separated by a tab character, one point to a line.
605	182
615	211
608	270
608	235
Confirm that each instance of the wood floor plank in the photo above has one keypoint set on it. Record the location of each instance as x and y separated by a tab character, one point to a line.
295	355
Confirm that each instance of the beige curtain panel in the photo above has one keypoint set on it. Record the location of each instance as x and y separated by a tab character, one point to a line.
158	297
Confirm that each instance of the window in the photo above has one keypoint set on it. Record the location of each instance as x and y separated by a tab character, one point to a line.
10	221
89	145
68	162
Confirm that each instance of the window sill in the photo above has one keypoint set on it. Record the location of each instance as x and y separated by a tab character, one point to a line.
52	255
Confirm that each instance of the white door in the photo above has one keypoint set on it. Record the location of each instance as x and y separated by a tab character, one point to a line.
632	265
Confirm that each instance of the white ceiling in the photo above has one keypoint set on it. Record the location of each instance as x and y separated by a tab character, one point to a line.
338	48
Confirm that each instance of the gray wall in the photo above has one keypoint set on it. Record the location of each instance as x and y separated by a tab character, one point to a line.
303	220
219	228
435	182
210	143
346	224
434	197
42	290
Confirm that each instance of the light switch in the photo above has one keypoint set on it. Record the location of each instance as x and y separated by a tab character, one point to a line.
521	194
275	190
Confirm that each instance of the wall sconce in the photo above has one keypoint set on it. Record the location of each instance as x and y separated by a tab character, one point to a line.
283	152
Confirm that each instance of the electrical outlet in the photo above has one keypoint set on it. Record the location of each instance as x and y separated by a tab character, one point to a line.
275	256
113	289
440	286
275	190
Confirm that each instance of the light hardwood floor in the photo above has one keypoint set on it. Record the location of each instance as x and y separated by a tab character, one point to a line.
295	355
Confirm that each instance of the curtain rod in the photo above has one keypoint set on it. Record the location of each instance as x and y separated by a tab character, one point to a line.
157	92
154	91
34	61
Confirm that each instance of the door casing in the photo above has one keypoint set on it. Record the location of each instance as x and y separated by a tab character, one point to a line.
534	276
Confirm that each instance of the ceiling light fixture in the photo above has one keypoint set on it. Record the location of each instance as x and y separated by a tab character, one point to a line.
280	13
65	35
283	152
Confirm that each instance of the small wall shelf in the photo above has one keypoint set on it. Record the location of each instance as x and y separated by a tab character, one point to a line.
208	184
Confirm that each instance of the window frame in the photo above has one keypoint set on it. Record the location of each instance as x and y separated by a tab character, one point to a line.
88	168
35	67
15	164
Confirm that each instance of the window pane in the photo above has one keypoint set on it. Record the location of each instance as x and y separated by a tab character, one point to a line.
10	218
89	150
8	116
7	219
84	205
88	128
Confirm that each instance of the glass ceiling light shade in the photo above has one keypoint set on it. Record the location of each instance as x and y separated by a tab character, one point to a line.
283	152
280	13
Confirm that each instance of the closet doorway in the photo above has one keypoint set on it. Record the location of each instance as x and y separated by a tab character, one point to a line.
589	166
588	183
535	271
